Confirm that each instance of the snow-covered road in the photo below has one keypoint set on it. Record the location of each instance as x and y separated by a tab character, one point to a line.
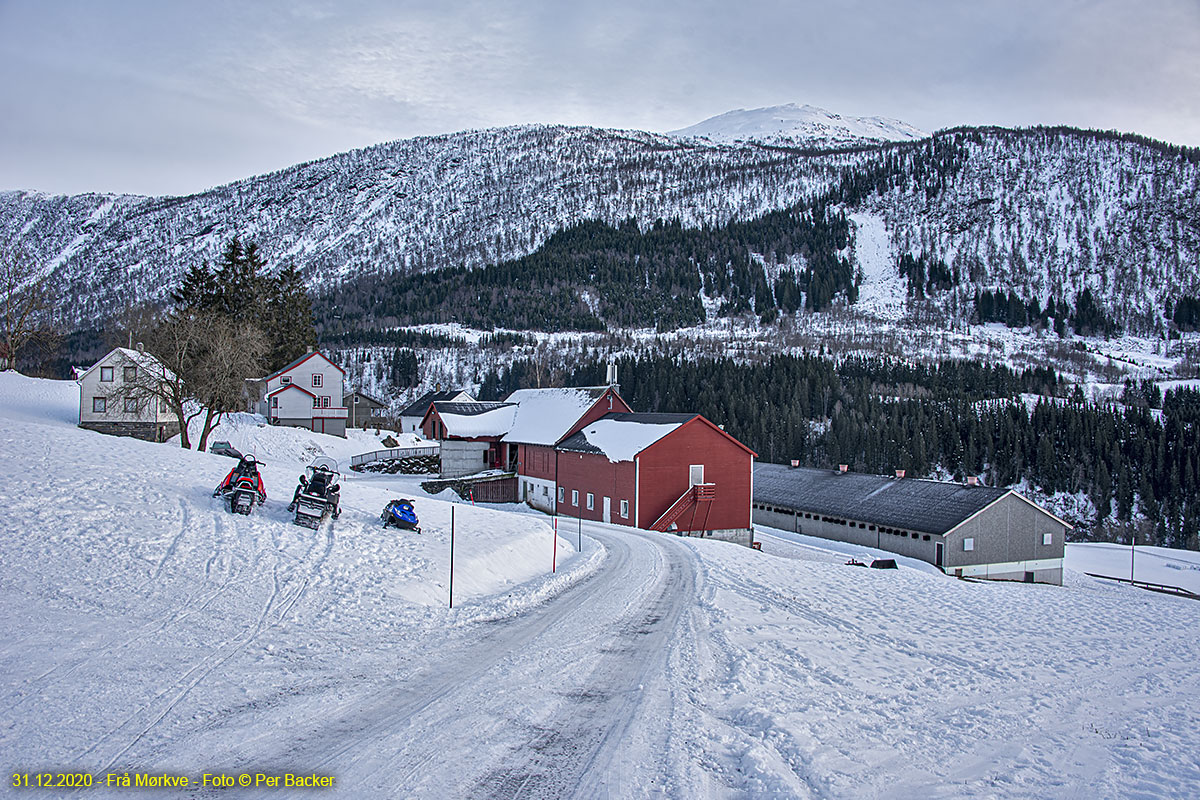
569	699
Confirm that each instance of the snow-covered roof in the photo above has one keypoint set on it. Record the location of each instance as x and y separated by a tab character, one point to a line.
620	437
545	415
137	357
471	420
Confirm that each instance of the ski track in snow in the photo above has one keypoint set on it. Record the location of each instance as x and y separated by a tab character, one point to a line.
149	630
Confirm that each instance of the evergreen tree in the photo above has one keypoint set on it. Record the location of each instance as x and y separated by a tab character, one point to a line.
290	329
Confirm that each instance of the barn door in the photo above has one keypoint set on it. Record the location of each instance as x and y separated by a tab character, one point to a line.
695	474
608	509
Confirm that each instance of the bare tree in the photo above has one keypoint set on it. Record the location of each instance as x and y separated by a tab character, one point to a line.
26	308
233	352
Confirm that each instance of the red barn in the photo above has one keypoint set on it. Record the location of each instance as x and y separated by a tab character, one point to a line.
667	472
545	417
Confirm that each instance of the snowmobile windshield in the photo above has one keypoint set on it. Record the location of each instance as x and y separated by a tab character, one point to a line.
327	466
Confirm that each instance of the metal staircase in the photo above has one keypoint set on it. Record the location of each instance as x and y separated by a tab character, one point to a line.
691	500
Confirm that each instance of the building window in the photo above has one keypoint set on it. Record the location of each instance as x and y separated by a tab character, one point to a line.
274	402
575	497
695	474
316	402
561	493
325	401
625	509
106	374
285	380
99	405
162	406
316	379
591	501
968	544
131	405
545	491
1047	538
131	373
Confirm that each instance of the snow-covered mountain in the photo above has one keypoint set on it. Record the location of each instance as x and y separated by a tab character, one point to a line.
1046	212
791	125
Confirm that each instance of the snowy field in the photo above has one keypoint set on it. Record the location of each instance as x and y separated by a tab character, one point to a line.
148	631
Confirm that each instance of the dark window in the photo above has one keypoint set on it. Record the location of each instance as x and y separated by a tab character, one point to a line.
131	405
131	373
99	405
316	379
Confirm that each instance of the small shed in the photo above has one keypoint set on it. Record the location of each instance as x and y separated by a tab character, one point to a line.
965	530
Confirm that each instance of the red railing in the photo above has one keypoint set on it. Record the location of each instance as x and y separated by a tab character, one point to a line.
699	493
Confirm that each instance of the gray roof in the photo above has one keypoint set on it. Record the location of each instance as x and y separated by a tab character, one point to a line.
909	503
418	407
468	409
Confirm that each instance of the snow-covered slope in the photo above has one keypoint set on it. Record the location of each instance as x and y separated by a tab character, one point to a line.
799	126
147	631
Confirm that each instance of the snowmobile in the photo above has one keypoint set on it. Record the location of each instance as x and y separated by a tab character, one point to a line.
318	494
243	486
400	514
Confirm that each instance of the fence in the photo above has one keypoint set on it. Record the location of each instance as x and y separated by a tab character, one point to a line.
393	454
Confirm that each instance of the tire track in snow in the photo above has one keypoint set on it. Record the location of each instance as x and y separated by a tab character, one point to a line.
281	599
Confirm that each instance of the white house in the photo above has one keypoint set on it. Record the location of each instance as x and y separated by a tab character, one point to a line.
303	394
110	403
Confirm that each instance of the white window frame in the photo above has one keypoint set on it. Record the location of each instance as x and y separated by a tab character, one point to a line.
968	544
692	470
326	401
625	509
562	493
575	497
109	371
99	405
591	501
316	380
285	379
274	402
316	401
1047	538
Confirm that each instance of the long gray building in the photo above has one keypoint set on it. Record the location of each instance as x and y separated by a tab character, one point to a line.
966	530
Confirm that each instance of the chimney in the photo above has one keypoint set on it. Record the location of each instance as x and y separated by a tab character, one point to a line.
843	468
795	463
972	480
310	349
141	348
899	473
612	374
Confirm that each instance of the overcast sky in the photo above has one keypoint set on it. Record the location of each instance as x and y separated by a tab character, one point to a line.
159	97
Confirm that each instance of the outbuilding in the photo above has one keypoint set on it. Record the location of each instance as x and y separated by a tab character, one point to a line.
966	530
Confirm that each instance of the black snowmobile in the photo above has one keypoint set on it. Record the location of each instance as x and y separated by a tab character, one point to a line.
318	494
243	486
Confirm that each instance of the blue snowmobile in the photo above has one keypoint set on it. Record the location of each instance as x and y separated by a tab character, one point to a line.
400	514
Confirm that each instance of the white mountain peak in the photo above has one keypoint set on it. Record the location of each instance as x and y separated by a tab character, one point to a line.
804	125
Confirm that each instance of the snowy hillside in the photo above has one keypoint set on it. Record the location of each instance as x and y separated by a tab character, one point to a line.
1045	213
150	632
791	125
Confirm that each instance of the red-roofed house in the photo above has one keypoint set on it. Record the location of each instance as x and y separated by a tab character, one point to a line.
303	394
